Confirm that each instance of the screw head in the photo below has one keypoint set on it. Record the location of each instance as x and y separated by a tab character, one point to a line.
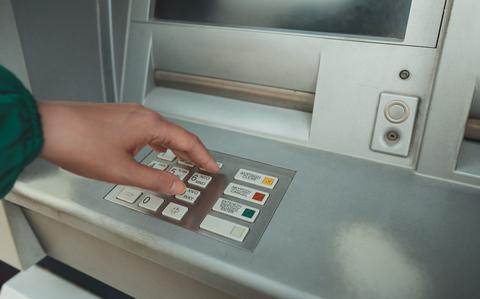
404	74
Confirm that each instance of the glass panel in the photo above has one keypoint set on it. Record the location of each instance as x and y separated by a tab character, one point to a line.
382	18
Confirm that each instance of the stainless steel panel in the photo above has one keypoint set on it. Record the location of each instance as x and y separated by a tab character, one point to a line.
279	97
209	196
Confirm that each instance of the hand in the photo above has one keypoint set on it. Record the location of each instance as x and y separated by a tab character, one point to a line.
100	140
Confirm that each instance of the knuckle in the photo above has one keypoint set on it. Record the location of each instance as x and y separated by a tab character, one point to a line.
147	117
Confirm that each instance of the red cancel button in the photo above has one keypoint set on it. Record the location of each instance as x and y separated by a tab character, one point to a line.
258	196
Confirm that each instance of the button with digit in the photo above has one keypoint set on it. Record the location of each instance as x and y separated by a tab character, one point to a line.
151	202
160	165
190	195
200	180
179	172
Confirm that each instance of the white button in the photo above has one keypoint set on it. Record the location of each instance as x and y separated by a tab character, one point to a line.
151	202
219	164
246	193
190	195
185	163
174	211
396	112
224	228
180	172
236	210
129	195
199	180
160	165
256	178
167	155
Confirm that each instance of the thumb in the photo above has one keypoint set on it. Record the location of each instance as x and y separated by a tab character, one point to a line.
152	179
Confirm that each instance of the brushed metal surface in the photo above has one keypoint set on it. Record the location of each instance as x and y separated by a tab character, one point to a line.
208	197
274	96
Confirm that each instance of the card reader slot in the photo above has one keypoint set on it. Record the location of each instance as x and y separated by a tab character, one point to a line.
272	96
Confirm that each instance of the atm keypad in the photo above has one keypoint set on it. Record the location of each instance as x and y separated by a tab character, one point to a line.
174	211
129	195
168	155
151	202
199	180
180	172
190	195
234	206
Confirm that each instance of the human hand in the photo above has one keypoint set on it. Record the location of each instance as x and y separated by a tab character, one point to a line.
100	140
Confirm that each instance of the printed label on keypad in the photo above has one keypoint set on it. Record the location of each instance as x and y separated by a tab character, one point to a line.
174	211
179	172
151	202
168	155
224	228
185	163
246	193
199	180
190	195
129	195
235	209
160	165
256	178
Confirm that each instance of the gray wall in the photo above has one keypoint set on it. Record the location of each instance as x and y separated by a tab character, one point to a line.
11	55
67	51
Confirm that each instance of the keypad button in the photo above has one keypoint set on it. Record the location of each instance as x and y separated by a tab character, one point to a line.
246	193
179	172
151	202
200	180
256	178
168	155
160	165
185	163
129	195
174	211
190	195
224	228
235	209
219	164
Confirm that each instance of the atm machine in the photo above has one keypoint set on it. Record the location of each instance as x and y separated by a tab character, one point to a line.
338	125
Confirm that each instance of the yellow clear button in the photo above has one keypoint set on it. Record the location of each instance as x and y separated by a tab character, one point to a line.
268	181
259	179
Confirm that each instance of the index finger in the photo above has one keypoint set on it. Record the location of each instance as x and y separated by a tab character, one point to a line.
180	140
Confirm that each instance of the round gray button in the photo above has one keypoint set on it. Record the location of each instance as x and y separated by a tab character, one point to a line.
396	112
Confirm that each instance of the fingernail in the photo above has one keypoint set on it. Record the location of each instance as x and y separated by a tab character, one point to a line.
177	188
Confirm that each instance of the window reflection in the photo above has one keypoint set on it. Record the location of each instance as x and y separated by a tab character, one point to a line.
384	18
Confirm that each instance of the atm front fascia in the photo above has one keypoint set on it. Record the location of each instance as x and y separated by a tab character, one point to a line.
377	196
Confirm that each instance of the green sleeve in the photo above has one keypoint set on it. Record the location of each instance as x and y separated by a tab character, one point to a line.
21	137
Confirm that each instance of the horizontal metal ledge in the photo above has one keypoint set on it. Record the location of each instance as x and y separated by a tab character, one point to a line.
273	96
472	129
